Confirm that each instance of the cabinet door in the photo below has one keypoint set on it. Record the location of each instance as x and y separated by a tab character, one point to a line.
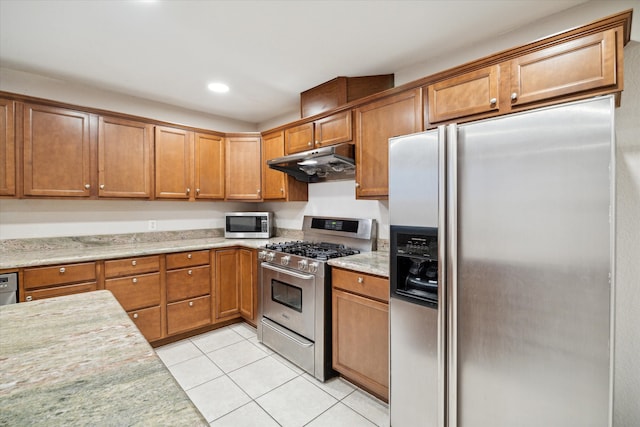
579	65
361	341
59	291
376	122
273	181
209	166
137	291
190	314
188	283
56	152
298	138
173	163
465	95
243	168
124	158
248	283
7	148
334	129
227	297
148	321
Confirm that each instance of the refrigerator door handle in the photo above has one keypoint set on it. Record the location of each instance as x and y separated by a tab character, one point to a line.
442	276
451	260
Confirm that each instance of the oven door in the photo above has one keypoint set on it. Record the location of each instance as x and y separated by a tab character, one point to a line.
288	299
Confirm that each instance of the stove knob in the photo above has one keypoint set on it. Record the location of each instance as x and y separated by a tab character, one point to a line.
313	267
262	254
285	260
269	256
303	264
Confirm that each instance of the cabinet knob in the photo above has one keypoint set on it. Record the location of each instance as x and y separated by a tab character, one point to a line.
282	190
62	270
189	256
29	298
87	186
134	280
258	191
190	303
134	262
197	191
135	315
190	272
357	184
309	144
102	186
360	280
514	96
188	190
318	143
493	101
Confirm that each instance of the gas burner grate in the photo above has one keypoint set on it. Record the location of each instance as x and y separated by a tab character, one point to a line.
321	250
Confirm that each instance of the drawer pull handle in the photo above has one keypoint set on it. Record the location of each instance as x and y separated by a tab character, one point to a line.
360	280
134	262
190	303
62	270
493	101
134	280
514	96
29	298
190	272
189	256
135	315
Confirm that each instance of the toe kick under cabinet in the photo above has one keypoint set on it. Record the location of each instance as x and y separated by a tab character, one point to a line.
136	284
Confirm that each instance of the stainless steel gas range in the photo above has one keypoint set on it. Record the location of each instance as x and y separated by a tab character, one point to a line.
295	289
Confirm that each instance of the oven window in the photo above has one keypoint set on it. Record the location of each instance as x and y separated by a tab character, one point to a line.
286	294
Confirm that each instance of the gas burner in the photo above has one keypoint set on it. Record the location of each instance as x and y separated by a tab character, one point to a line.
321	251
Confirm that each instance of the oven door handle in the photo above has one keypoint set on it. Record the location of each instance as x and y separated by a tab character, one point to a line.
289	272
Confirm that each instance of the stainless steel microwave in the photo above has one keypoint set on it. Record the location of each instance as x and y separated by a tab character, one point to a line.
248	225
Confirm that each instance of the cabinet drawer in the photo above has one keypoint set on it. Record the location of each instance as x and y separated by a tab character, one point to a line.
187	259
131	266
59	291
362	284
190	314
188	283
41	277
137	291
148	322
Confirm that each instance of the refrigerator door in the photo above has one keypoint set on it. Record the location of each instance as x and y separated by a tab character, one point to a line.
529	290
417	371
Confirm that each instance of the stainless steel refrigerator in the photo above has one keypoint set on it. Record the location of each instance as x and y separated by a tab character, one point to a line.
501	271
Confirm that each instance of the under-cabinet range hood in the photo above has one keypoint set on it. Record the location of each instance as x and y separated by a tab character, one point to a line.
318	165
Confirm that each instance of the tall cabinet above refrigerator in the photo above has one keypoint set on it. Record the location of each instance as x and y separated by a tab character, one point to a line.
501	270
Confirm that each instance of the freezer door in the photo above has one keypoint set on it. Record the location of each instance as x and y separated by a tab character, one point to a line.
413	180
530	292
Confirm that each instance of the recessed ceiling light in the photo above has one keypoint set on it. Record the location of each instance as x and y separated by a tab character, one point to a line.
218	87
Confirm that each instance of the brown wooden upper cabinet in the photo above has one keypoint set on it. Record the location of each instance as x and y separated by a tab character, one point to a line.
57	144
278	185
330	130
243	168
209	166
471	93
124	158
189	165
7	148
376	122
574	69
174	162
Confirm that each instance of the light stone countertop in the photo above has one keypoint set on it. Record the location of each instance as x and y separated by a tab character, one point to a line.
80	360
376	263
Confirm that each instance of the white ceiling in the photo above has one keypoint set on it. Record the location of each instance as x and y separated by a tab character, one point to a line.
267	51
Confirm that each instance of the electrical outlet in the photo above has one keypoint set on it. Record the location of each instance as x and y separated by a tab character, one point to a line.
152	224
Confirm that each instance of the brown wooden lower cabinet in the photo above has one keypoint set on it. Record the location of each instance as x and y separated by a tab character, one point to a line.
227	296
58	291
148	321
136	291
361	334
189	314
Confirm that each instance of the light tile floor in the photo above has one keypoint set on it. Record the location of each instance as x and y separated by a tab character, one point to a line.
236	381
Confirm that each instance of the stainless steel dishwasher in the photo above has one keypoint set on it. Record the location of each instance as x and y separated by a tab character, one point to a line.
8	288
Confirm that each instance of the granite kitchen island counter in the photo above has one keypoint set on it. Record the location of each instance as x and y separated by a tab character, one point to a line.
80	360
